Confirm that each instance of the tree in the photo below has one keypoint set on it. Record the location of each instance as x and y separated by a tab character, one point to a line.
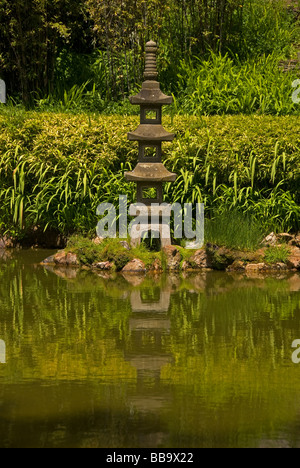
31	31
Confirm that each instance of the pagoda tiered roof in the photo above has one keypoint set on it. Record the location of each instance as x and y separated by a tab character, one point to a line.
150	172
151	94
150	132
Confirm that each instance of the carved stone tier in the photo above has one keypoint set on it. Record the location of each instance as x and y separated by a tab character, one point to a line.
148	132
151	72
151	95
150	172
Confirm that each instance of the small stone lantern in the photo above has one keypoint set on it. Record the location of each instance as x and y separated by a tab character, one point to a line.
150	173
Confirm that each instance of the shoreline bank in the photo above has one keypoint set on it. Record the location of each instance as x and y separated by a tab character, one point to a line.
279	252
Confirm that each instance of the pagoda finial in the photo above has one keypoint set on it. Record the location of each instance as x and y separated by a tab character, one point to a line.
151	73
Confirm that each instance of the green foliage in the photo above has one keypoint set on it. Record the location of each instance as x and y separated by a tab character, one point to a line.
55	169
224	162
268	28
109	250
222	85
30	34
234	230
86	251
147	253
215	85
48	48
114	252
277	254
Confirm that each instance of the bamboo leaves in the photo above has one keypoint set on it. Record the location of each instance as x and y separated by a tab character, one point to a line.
221	86
58	178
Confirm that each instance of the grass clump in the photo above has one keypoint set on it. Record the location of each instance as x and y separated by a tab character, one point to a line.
277	254
89	253
235	230
86	251
113	251
109	250
147	255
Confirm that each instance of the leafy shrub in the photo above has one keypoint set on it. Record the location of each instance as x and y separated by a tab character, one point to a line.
55	169
113	251
109	250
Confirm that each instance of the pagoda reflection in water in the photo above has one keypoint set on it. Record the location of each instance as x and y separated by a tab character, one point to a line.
147	352
2	352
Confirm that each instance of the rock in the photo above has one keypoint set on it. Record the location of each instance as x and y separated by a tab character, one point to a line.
6	243
238	265
106	266
64	258
294	258
98	240
271	239
60	258
173	257
72	259
125	245
186	266
295	241
156	266
256	267
284	237
134	266
49	261
220	258
281	266
200	260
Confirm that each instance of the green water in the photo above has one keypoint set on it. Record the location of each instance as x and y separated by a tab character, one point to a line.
197	361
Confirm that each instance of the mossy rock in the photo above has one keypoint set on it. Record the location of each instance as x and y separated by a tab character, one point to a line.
220	258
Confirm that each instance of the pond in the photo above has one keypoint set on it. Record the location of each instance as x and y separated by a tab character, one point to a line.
201	360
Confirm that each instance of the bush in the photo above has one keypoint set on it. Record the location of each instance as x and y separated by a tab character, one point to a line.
55	169
109	250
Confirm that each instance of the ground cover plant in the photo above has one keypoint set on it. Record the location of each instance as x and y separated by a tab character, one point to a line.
110	250
277	254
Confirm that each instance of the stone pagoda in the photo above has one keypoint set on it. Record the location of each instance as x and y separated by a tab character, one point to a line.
150	173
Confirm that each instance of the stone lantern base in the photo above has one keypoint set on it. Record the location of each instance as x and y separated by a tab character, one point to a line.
152	219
